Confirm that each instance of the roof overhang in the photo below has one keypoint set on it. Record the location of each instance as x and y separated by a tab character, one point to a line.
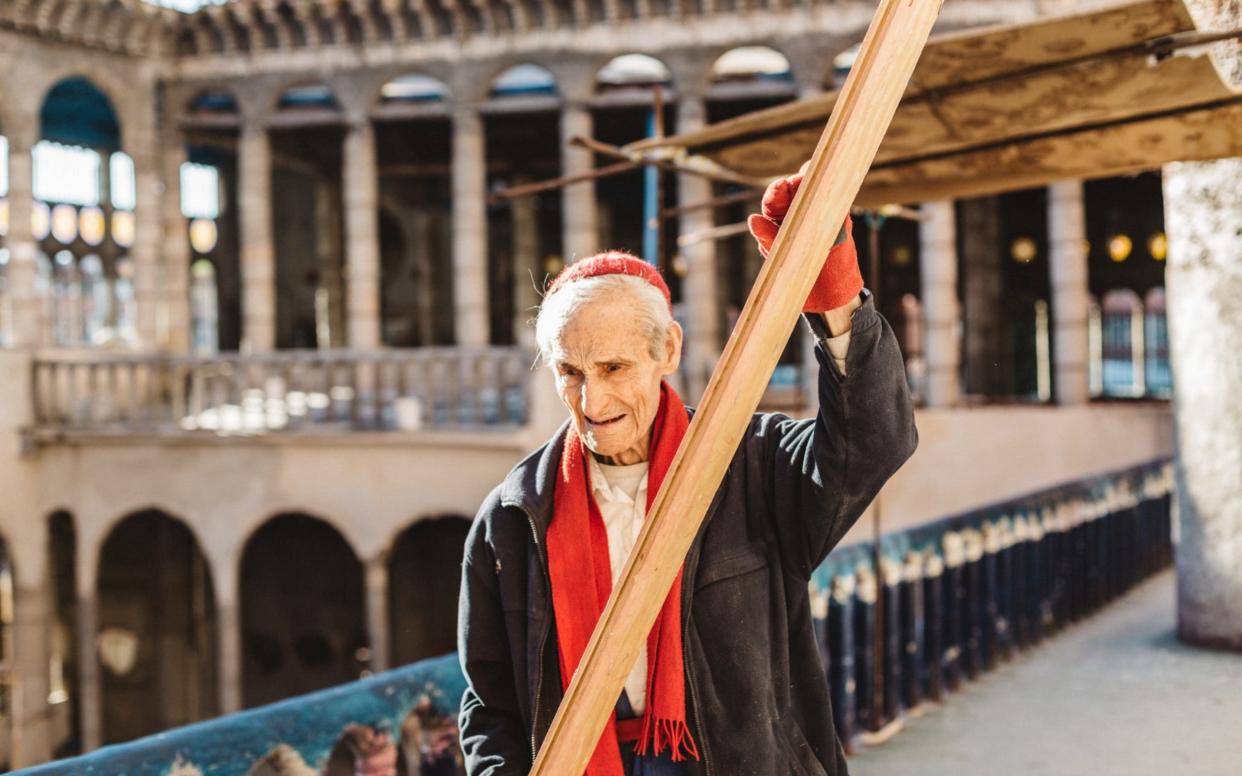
1108	92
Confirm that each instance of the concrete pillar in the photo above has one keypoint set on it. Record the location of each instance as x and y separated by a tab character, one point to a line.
30	713
228	624
90	702
1203	218
258	253
527	272
360	182
23	269
174	286
1067	270
701	297
469	228
377	612
580	235
142	147
420	225
987	368
942	313
330	307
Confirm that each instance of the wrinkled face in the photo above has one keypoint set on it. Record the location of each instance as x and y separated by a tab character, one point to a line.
608	379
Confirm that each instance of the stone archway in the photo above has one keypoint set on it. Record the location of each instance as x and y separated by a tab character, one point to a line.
156	637
424	575
302	610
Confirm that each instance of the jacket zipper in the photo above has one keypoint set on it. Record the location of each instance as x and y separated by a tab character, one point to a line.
543	638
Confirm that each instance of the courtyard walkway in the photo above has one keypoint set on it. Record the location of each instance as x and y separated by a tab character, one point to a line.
1116	694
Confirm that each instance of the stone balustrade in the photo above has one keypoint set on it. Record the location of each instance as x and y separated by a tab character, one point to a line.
321	391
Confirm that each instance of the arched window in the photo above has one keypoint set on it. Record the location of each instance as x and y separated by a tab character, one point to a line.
1121	332
1159	375
83	216
413	88
752	69
632	72
307	97
212	104
525	80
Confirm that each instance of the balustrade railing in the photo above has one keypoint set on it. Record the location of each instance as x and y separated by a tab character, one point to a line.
959	596
320	390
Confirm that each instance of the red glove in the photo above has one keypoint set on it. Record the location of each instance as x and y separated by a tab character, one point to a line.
840	280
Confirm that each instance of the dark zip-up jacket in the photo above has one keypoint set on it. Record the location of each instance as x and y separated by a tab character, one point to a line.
755	683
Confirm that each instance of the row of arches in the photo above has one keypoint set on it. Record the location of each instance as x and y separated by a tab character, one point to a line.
287	25
301	621
633	73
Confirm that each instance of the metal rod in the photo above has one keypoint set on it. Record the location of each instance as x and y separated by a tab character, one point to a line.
715	202
706	168
527	189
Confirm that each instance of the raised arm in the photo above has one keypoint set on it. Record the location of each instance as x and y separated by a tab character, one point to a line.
821	473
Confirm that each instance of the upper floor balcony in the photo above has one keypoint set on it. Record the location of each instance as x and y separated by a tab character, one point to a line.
327	392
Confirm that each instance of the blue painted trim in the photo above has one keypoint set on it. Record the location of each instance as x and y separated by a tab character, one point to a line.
310	724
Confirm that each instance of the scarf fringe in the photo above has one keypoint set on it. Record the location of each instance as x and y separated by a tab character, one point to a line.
673	734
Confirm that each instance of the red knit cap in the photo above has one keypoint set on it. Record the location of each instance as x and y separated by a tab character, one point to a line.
611	263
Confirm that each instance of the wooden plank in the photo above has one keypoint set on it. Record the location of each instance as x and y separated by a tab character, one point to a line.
1121	149
848	145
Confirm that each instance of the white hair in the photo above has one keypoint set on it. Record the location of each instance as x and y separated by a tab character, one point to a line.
650	310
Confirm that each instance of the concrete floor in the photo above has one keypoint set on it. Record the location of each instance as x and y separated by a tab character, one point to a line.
1116	694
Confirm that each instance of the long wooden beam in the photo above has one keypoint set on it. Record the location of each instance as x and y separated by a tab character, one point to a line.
849	143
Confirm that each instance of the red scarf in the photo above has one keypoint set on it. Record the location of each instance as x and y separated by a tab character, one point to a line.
582	582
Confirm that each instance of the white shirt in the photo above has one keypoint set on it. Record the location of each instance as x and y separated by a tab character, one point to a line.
838	347
621	494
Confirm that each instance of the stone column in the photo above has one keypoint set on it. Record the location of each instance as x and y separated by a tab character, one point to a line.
90	704
174	287
377	612
1203	218
419	224
942	313
148	234
1067	270
30	711
360	182
987	369
469	228
701	297
258	253
527	273
330	312
580	236
23	269
230	674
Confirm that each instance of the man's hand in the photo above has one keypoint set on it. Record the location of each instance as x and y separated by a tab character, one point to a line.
835	292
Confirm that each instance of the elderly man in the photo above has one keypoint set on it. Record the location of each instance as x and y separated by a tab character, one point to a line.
730	682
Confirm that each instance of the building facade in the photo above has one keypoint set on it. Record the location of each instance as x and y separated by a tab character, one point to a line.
264	308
